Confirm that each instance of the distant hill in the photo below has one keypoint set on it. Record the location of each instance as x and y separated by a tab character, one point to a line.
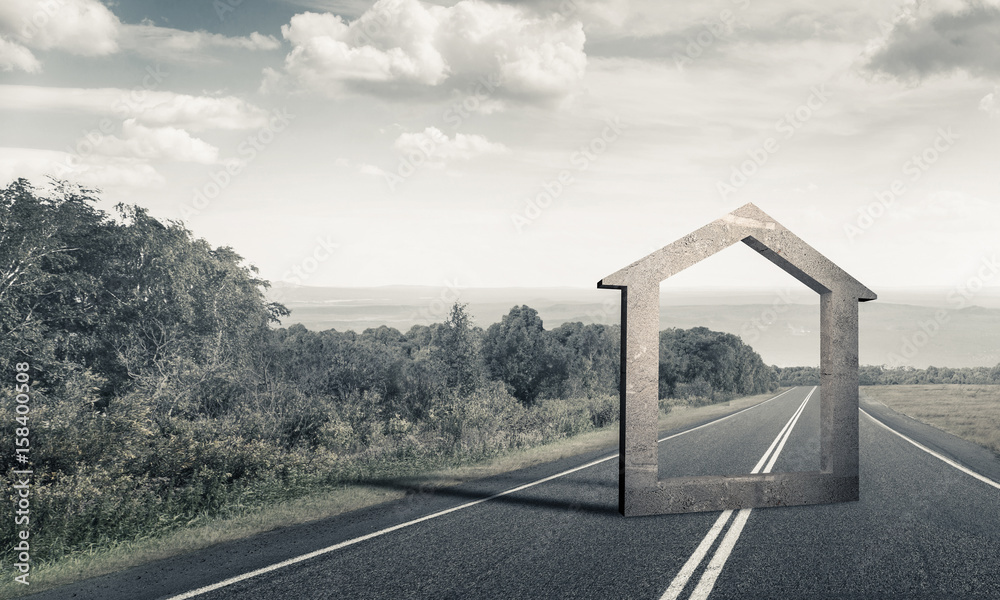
783	326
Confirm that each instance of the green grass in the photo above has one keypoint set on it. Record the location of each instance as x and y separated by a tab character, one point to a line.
204	532
972	412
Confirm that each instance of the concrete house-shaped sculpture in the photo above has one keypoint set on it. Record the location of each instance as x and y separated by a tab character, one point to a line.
640	491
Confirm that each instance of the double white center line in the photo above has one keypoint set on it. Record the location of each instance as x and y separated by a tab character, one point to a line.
718	561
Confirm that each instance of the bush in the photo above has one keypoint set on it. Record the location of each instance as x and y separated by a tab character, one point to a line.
488	422
604	409
558	418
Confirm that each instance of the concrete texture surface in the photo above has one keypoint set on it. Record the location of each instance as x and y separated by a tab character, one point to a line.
640	491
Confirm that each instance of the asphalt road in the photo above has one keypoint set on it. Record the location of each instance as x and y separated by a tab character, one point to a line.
922	529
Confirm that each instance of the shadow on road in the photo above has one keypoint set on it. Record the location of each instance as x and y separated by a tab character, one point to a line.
518	498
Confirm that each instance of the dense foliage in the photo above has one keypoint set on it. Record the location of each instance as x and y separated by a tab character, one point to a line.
121	301
163	392
711	366
881	375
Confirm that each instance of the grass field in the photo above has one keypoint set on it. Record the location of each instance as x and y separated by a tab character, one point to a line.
971	412
335	501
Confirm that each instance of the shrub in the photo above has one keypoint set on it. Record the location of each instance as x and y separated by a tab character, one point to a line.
604	409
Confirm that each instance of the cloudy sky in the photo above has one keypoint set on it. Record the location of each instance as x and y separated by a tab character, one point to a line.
534	143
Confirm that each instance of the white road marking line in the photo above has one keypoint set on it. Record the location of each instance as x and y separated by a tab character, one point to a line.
791	425
719	420
714	568
344	544
677	585
937	455
781	434
718	561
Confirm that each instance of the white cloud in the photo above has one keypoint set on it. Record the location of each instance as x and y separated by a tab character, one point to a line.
202	112
399	46
367	169
15	57
362	168
117	172
175	44
91	171
27	162
88	28
157	143
148	107
84	27
438	149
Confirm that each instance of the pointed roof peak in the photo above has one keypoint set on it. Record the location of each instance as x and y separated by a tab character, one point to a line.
755	228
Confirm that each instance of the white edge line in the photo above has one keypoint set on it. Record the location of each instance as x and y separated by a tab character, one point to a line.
958	466
344	544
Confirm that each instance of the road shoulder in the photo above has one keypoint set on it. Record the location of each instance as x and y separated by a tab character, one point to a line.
966	453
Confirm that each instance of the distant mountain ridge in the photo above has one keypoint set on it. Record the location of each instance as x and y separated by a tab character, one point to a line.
917	327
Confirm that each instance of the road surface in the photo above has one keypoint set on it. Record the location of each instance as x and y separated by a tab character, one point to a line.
927	526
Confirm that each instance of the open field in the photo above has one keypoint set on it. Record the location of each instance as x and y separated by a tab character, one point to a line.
971	412
336	501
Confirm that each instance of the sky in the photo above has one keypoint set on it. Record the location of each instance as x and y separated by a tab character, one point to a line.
533	143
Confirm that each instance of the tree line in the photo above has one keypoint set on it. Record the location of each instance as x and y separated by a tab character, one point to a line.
883	375
127	302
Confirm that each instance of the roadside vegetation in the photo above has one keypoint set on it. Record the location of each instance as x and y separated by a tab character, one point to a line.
883	375
971	412
166	396
334	500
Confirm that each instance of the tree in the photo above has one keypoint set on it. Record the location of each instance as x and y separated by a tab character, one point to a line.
457	345
714	363
516	353
47	286
127	300
584	359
